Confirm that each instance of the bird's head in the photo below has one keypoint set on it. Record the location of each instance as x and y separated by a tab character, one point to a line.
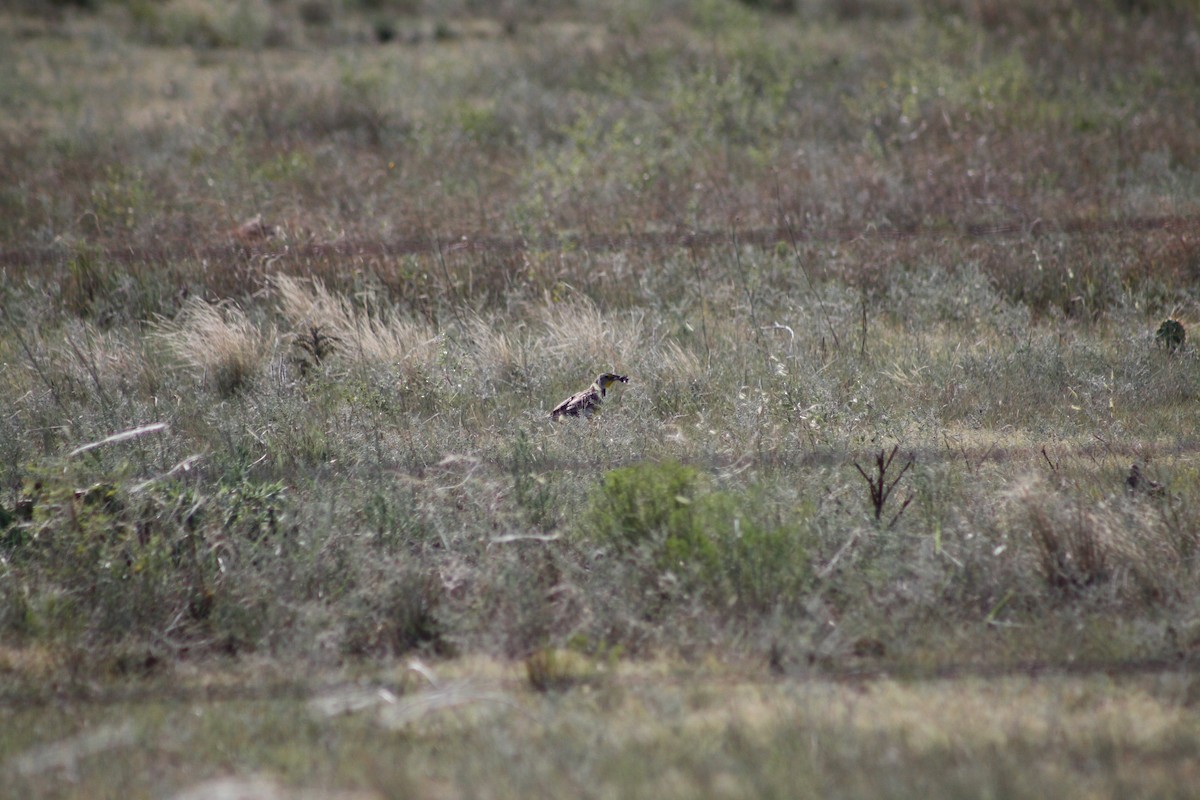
607	379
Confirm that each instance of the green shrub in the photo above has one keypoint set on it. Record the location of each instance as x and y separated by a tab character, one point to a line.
760	566
716	543
105	562
86	559
649	507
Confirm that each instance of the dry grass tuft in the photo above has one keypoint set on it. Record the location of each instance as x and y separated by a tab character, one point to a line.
219	342
578	334
552	669
376	338
503	358
1079	544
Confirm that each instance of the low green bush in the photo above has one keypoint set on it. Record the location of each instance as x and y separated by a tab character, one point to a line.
649	507
713	543
105	561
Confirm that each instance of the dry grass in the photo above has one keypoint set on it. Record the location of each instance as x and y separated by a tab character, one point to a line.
1121	542
366	332
577	334
808	235
651	731
219	343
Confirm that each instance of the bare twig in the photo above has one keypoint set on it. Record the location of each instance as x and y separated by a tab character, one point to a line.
524	537
703	306
862	346
880	488
182	466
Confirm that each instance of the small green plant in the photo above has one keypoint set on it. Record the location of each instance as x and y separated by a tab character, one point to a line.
394	517
649	506
533	492
715	542
554	669
251	508
1171	334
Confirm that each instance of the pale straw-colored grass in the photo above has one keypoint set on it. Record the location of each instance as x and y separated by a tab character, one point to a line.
377	338
502	358
1074	540
578	333
219	342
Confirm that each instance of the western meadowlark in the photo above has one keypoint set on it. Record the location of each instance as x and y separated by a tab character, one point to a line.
588	401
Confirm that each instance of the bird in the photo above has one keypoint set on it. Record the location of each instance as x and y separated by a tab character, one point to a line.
1139	483
588	401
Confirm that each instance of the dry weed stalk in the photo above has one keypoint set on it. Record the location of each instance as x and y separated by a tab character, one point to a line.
879	487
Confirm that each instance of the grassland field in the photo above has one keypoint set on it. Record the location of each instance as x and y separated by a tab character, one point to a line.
902	498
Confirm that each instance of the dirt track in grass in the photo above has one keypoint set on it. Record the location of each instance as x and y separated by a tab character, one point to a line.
225	247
